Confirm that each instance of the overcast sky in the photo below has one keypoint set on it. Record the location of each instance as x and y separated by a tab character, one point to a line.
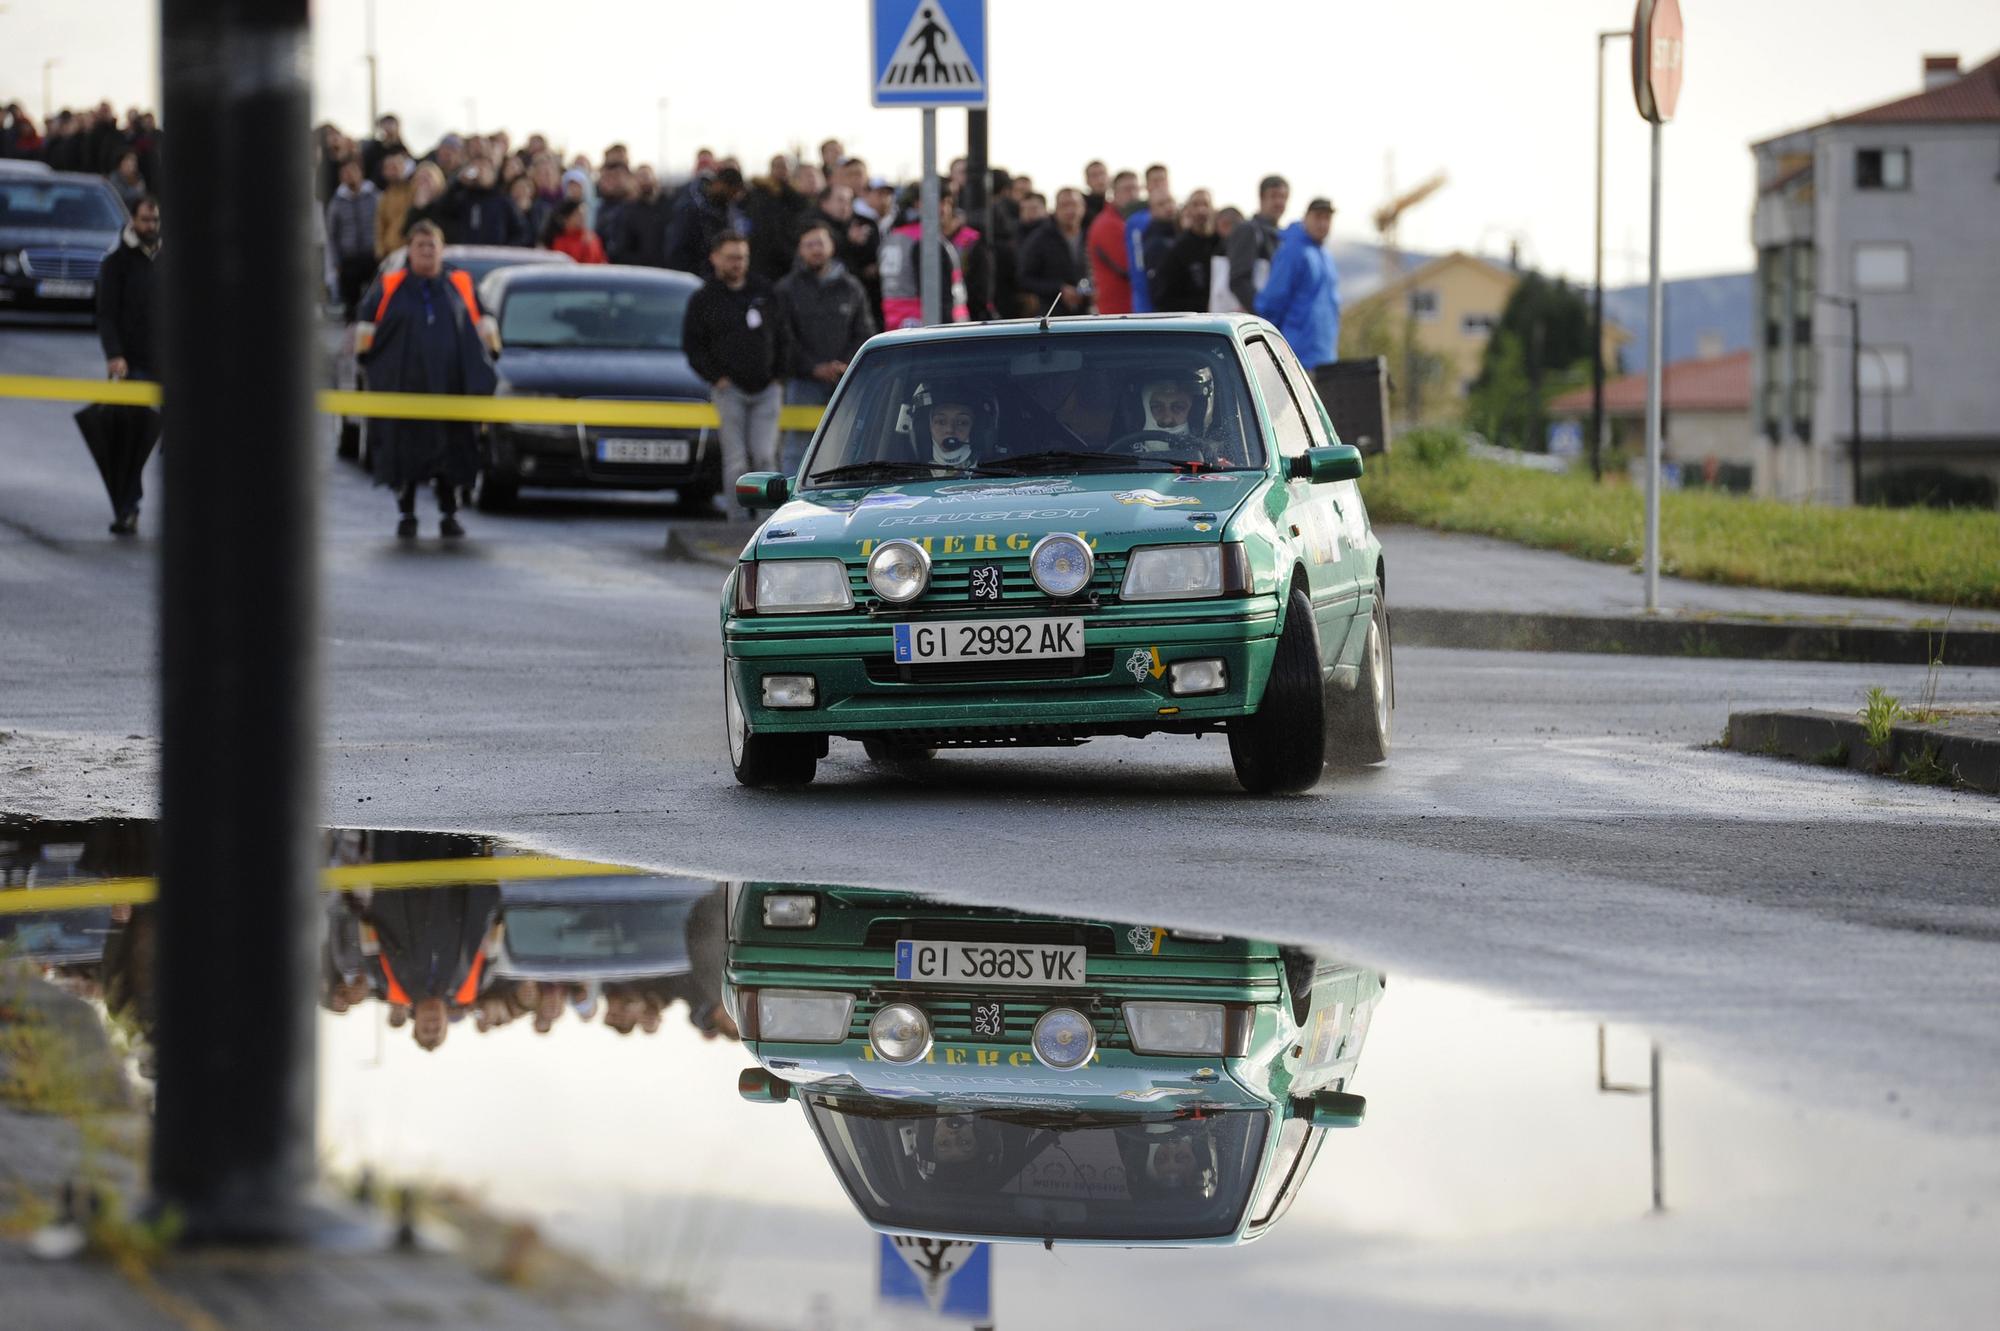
1338	96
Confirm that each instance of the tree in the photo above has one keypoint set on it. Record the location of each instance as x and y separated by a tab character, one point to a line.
1540	348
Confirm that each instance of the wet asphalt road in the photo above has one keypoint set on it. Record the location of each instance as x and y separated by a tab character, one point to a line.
1550	826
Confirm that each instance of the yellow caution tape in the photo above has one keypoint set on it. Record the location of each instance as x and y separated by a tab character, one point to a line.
389	876
425	406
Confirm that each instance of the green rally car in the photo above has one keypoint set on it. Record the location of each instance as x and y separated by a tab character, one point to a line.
1033	533
982	1074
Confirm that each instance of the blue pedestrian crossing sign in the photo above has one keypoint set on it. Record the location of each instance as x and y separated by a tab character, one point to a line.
929	52
949	1279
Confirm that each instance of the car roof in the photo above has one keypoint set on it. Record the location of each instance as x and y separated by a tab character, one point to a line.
514	254
17	166
1077	323
592	275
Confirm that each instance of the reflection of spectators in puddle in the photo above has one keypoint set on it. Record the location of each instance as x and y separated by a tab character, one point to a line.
431	945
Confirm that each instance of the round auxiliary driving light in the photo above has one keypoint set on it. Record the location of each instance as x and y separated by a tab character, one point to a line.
1064	1039
1061	564
900	1033
899	571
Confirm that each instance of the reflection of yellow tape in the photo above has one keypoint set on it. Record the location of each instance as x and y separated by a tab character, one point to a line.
425	406
382	877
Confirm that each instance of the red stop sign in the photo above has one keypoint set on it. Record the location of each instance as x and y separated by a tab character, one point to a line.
1658	44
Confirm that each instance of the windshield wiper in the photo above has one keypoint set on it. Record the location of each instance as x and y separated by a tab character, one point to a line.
863	471
1056	458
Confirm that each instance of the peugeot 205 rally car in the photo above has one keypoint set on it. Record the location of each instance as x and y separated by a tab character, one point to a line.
1037	532
996	1076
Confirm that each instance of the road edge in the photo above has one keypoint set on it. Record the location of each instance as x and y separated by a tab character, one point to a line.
1936	753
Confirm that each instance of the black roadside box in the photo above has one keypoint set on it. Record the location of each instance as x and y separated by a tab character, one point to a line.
1356	394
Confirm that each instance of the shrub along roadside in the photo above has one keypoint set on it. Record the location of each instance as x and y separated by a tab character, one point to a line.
1946	557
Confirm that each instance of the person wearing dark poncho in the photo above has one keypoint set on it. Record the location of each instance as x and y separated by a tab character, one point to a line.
423	337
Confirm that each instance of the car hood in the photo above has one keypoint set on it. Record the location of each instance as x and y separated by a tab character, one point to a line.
1114	511
21	237
557	372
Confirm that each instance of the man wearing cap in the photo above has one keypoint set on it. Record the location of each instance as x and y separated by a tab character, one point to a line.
1303	296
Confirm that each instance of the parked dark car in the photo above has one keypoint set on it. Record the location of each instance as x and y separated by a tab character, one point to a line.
595	331
477	261
55	229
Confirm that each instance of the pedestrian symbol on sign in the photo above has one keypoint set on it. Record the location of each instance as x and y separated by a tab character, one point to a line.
936	58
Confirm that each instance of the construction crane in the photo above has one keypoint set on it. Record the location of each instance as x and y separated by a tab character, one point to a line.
1390	213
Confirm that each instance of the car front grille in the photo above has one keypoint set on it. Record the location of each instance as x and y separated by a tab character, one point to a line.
951	582
61	264
951	1014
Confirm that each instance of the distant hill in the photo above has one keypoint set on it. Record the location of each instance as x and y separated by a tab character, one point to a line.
1695	306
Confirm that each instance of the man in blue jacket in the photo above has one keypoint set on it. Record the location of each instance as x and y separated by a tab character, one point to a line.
1303	296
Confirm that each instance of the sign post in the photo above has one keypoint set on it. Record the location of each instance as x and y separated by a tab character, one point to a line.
1657	46
927	54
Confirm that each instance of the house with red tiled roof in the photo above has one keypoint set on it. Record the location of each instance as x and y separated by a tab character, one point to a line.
1706	435
1886	218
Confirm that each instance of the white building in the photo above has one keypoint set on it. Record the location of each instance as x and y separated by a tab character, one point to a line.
1893	213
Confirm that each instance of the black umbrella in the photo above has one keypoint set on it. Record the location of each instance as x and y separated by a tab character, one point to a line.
120	440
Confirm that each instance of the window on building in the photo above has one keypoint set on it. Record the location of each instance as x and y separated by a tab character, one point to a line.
1882	267
1477	325
1423	304
1882	168
1885	369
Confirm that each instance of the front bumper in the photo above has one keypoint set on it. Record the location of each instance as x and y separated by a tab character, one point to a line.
862	692
21	291
569	459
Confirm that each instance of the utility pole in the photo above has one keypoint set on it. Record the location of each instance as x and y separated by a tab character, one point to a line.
233	1141
930	266
1597	287
978	203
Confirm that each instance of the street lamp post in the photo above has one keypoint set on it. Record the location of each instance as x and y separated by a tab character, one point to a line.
1852	304
1597	286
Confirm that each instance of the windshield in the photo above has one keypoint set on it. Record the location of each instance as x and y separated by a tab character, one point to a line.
1034	405
599	932
60	206
645	318
1037	1173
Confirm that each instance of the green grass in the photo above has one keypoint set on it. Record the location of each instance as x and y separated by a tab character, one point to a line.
1946	557
1879	716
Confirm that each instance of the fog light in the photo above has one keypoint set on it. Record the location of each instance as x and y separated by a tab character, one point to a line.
527	466
789	691
791	910
1198	676
900	1033
1064	1039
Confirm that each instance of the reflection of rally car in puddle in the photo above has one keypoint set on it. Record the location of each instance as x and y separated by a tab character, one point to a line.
982	1074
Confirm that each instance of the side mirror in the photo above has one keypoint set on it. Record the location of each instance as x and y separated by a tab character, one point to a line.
761	1087
1336	462
1338	1109
766	489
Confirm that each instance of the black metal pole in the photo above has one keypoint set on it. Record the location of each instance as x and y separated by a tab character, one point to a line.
1597	297
977	203
232	1150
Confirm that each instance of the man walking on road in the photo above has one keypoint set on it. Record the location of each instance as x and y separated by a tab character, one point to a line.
125	329
1303	296
1253	244
730	336
823	319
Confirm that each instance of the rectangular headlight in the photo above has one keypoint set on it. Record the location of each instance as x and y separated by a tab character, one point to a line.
803	1016
791	910
1173	572
1175	1028
798	586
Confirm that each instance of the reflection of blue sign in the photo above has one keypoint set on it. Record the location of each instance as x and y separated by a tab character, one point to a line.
929	52
1566	439
950	1279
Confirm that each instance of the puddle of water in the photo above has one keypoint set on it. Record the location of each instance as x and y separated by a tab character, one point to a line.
717	1089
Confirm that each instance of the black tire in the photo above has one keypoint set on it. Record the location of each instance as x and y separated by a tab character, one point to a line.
1359	725
349	447
492	493
888	751
1283	746
766	760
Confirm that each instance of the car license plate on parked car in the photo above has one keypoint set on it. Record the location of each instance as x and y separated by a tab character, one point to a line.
988	963
668	451
57	289
987	640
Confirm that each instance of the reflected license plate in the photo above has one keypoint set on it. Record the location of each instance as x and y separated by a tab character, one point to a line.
57	289
987	640
988	963
666	451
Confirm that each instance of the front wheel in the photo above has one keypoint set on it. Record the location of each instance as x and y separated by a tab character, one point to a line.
1358	727
765	760
1283	746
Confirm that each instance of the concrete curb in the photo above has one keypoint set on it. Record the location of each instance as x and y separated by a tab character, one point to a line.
1964	747
1752	639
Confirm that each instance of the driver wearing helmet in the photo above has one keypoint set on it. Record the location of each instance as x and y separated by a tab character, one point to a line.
1181	404
1167	403
952	417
